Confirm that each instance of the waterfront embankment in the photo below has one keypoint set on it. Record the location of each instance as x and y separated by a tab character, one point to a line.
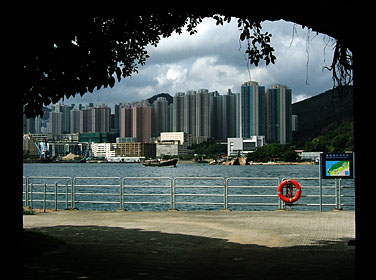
195	245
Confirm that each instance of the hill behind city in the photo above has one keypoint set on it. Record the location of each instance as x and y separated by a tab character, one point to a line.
321	113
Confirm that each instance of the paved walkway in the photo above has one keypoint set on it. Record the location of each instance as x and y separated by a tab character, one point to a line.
195	245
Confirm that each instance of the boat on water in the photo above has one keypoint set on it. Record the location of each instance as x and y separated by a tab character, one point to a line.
157	162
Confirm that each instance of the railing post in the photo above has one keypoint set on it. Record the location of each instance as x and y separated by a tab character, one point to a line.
66	195
320	190
120	194
72	203
226	193
31	196
55	196
171	194
74	193
26	191
339	195
44	199
280	207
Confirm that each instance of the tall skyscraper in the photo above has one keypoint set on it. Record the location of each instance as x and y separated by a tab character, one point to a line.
101	118
190	112
74	121
95	119
116	125
278	114
160	116
55	125
228	115
205	114
178	112
126	121
141	122
203	110
252	109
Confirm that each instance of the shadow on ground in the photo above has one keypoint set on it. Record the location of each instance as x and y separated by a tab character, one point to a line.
95	252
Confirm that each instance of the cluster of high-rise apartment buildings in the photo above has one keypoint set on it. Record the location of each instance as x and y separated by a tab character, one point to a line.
254	111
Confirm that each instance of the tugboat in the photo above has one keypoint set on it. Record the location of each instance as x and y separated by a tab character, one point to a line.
158	162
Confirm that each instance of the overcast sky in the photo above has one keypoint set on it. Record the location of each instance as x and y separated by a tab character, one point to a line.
214	59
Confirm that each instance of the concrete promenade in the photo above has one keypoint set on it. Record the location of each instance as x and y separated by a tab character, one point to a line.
195	245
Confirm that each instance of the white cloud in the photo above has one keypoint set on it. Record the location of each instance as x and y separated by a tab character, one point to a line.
171	75
299	97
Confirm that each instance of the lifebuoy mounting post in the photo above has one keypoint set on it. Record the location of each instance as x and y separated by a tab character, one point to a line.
289	185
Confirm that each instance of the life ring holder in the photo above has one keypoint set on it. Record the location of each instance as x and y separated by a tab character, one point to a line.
290	183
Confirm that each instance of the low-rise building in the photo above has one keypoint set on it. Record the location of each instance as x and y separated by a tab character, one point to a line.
132	149
136	149
243	146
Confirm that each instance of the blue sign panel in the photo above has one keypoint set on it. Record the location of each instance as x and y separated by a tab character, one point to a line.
337	165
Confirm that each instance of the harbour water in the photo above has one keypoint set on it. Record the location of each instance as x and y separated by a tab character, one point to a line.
198	170
194	170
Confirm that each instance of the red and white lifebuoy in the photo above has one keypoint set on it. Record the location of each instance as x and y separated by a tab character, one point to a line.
287	198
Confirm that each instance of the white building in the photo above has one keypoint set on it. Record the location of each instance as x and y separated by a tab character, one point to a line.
173	143
242	146
182	137
106	150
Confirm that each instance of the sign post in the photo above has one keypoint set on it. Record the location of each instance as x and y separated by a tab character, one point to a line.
336	166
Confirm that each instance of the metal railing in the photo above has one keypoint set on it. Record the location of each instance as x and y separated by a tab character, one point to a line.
244	194
89	185
156	193
46	191
186	193
204	193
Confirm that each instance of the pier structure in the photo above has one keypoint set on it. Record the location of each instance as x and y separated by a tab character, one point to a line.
194	245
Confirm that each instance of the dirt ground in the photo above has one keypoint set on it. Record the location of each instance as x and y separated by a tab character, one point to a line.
193	245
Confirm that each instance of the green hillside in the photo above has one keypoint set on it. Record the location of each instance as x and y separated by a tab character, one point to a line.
322	113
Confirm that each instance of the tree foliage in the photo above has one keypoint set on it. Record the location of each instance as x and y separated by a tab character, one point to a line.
338	140
211	150
274	152
63	58
90	53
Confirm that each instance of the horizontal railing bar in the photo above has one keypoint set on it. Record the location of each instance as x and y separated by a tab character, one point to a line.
199	203
97	202
147	194
146	202
97	178
142	187
104	194
314	204
196	186
199	178
94	186
49	185
252	178
198	194
50	194
253	203
47	177
250	187
49	200
146	178
252	195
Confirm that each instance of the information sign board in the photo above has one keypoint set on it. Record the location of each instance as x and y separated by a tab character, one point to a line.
336	165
